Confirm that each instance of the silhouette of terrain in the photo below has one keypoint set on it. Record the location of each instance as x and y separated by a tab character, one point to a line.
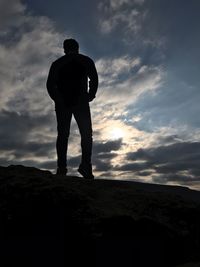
51	220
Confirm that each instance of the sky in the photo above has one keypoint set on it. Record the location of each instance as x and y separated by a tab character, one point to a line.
146	123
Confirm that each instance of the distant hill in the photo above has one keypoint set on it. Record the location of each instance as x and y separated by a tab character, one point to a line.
49	220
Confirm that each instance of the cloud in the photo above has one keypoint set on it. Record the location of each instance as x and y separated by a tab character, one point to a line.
101	165
124	79
11	13
174	152
107	146
107	155
22	138
178	162
26	61
175	104
103	154
28	46
117	4
133	167
111	68
121	12
181	179
134	23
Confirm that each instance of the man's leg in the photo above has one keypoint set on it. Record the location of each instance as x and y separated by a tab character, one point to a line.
63	116
83	118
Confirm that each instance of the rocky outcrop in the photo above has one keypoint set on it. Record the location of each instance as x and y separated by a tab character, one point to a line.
49	220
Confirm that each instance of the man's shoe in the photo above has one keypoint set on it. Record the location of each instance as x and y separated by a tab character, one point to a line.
61	171
86	172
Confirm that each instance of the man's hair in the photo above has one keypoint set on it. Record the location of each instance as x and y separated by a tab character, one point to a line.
70	45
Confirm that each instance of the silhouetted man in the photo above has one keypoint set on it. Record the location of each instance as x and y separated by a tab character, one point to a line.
67	85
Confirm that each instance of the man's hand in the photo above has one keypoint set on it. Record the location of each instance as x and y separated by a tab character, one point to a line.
58	99
90	97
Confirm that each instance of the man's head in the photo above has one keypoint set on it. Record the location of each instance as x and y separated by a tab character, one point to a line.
70	46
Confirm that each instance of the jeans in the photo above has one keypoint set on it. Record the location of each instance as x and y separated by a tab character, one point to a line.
82	116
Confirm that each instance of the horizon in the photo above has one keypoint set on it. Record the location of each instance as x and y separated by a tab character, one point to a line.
146	126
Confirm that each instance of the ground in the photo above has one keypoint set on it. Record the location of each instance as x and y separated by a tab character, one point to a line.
51	220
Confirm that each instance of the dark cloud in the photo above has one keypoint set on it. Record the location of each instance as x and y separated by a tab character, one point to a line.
178	166
103	155
106	175
134	167
195	172
11	12
49	165
107	155
33	148
144	173
18	130
106	147
102	165
177	178
168	139
164	154
178	162
74	161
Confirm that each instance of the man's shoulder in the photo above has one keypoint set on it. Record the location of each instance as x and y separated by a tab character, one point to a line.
85	58
59	60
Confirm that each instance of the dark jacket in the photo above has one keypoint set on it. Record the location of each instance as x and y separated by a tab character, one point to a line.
68	79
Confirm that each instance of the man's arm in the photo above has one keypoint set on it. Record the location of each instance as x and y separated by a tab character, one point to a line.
52	84
93	83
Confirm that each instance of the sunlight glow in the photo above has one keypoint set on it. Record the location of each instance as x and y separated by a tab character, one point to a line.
116	133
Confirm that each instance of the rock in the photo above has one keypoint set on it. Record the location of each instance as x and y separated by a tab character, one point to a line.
49	220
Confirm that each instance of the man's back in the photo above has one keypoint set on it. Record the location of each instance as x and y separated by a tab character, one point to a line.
70	75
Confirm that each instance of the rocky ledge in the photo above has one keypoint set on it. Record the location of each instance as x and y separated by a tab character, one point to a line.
49	220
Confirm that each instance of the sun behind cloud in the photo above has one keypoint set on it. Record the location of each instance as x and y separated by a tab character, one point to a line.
116	133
